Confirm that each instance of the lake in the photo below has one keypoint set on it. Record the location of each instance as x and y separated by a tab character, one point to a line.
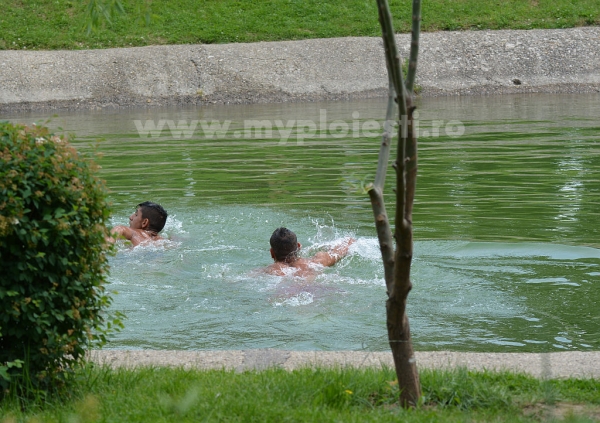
506	223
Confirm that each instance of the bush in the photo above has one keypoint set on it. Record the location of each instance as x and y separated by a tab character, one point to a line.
53	252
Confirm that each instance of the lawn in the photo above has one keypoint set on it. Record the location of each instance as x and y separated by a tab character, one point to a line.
60	24
306	395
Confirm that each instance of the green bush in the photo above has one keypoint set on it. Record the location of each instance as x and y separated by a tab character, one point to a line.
53	252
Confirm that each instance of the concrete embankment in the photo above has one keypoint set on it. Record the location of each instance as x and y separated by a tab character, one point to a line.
549	365
451	63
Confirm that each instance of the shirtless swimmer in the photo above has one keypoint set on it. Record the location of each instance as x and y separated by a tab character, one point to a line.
144	224
284	251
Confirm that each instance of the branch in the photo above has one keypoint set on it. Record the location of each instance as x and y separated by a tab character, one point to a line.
391	54
384	150
384	235
404	230
403	255
411	160
414	46
382	224
96	10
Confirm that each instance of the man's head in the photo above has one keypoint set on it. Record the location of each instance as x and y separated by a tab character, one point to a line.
149	216
284	244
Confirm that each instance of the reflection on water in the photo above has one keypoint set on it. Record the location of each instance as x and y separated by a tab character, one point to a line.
507	222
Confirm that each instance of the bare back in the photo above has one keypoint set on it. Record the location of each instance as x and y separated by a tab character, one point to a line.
301	267
307	267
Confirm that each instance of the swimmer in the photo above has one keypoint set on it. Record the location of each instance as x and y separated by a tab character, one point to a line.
284	251
144	224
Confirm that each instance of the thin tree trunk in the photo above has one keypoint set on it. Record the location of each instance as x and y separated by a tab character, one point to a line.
397	264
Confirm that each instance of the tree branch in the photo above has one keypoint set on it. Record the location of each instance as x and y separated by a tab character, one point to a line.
384	150
391	53
414	46
382	224
384	235
411	160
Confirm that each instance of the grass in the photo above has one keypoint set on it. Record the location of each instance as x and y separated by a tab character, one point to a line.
307	395
59	24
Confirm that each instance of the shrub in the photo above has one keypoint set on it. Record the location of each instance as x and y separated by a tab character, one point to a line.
53	252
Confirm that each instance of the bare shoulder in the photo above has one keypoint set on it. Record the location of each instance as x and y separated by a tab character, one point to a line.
300	268
136	236
140	236
273	269
123	231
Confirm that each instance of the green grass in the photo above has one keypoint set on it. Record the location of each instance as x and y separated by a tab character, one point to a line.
59	24
308	395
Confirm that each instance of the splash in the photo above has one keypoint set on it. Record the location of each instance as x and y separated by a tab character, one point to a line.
303	298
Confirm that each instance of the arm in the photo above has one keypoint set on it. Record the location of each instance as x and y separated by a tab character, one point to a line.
331	257
119	232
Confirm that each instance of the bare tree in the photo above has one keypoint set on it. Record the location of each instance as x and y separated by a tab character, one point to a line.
397	259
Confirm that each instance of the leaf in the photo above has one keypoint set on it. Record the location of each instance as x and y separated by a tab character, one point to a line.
4	373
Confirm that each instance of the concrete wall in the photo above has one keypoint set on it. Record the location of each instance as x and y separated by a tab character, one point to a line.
450	63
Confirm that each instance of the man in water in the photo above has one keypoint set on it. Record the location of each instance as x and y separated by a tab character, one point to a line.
285	248
144	224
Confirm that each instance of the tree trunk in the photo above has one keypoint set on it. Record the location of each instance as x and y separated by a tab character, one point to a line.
397	263
404	358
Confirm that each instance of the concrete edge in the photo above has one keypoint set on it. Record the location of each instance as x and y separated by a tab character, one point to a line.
571	364
450	63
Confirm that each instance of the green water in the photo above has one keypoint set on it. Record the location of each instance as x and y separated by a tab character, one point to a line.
506	219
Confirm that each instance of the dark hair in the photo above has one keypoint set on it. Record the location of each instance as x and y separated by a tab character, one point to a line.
156	215
284	244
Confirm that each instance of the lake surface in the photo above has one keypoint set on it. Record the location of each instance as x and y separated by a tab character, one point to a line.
506	220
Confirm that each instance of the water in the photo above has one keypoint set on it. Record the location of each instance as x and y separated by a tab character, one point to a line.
506	217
